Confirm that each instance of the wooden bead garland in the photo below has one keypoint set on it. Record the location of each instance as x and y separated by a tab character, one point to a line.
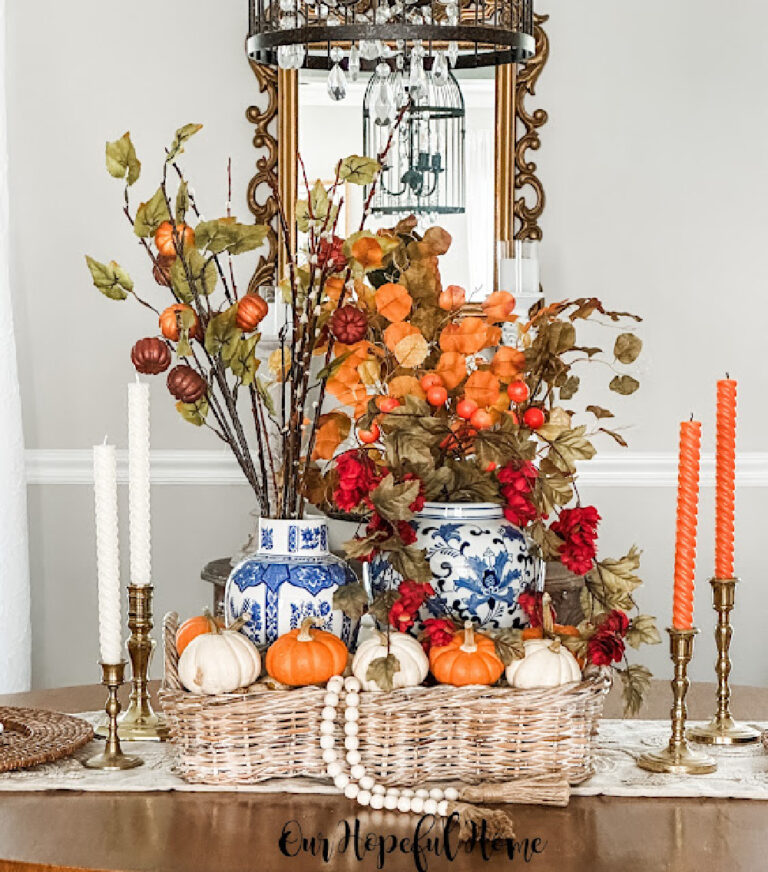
357	783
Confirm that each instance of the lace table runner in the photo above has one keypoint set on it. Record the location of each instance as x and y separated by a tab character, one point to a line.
742	773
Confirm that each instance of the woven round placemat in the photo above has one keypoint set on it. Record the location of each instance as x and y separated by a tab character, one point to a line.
34	736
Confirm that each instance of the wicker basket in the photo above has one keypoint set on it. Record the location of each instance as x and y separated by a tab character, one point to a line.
407	737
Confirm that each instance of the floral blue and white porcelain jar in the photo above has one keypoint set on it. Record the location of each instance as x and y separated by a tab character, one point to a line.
480	563
292	576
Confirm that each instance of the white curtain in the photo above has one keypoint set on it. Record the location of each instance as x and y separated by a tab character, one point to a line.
15	632
479	203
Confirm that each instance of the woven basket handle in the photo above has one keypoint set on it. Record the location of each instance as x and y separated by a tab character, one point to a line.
171	655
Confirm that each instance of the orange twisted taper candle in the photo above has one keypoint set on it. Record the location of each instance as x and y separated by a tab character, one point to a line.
687	511
725	483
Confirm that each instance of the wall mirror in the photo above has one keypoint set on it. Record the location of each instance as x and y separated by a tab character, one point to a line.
490	193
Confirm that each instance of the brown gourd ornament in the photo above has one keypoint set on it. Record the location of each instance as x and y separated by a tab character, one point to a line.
349	324
151	356
185	384
161	269
251	311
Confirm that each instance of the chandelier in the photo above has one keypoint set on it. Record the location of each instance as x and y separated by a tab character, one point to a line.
423	171
345	36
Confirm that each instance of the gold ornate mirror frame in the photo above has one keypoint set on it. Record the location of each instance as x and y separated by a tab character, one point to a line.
519	195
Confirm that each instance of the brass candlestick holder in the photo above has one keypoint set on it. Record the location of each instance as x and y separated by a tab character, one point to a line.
112	758
677	757
722	729
140	723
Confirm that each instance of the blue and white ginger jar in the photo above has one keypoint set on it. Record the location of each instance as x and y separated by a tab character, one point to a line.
292	576
480	563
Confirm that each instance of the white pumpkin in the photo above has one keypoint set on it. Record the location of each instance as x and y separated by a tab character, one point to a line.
547	663
219	663
414	664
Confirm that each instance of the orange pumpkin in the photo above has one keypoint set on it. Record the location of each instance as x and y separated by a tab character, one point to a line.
557	629
306	656
549	628
165	242
469	658
196	626
251	311
169	322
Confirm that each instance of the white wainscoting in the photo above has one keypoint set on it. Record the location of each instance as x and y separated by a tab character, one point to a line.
631	469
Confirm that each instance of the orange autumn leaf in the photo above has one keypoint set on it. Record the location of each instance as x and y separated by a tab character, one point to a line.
411	351
452	298
492	336
436	240
452	368
507	363
499	306
393	301
397	332
332	288
405	386
467	337
483	388
356	353
330	434
347	387
369	371
368	252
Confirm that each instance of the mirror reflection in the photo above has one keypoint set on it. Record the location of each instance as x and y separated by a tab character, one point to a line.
439	166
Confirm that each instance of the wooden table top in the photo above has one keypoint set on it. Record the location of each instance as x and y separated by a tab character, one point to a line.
241	833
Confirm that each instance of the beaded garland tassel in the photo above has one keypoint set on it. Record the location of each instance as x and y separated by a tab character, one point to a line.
357	784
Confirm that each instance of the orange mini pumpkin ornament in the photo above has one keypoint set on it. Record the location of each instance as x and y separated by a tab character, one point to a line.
469	658
306	655
251	311
169	322
165	242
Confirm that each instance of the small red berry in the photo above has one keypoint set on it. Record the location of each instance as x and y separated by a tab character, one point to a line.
466	408
437	396
518	391
481	419
534	418
369	436
491	466
430	380
388	404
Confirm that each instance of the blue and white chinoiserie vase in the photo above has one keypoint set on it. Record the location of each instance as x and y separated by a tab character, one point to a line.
292	576
480	563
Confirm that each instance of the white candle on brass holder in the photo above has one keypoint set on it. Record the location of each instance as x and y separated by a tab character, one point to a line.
107	553
139	483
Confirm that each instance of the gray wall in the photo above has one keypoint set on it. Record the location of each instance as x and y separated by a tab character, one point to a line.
655	169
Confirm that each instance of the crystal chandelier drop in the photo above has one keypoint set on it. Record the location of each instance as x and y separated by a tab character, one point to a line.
347	36
423	172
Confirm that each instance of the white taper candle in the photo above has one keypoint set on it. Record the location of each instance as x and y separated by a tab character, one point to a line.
138	483
107	552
